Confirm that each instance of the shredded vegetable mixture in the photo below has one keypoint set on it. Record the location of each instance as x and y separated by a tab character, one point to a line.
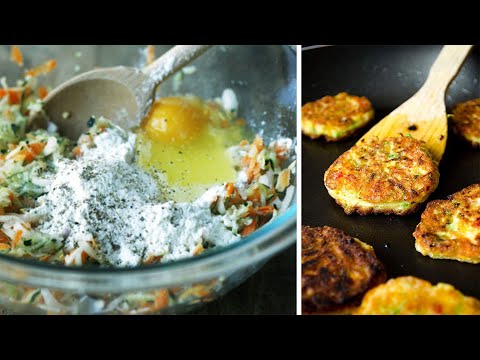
31	189
30	160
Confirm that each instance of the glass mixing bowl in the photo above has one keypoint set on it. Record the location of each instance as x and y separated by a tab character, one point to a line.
264	79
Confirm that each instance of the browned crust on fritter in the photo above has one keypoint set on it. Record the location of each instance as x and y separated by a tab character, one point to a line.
374	211
435	221
466	121
384	172
336	270
339	111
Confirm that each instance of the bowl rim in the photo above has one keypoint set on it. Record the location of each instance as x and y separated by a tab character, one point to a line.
222	261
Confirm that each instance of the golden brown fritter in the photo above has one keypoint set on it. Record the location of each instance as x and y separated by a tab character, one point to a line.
336	117
450	229
409	295
337	270
389	176
466	121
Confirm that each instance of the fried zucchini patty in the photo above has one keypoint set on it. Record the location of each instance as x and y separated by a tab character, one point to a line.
450	229
466	121
337	270
336	117
389	176
409	295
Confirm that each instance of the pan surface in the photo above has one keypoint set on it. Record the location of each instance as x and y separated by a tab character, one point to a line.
387	75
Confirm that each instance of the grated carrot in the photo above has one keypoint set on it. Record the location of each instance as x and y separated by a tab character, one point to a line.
161	300
255	196
150	54
4	239
264	210
14	98
151	259
42	92
30	152
77	151
247	230
4	247
16	55
17	237
246	161
20	157
14	95
253	170
36	148
258	142
43	69
45	258
279	152
230	188
198	249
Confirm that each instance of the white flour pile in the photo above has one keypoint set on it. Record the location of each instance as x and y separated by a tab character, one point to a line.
103	196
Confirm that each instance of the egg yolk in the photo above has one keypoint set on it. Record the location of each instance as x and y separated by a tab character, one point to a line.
176	119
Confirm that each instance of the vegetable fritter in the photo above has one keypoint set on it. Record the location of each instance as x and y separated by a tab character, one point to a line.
336	117
450	229
337	270
390	176
409	295
466	121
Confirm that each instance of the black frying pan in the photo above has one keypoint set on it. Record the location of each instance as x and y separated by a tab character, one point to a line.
387	75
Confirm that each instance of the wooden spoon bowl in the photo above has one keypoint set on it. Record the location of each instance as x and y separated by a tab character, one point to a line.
121	94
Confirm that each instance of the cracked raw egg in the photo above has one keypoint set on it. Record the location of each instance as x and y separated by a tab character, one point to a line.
182	143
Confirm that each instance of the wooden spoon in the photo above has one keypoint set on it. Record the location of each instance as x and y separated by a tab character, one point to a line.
424	116
121	94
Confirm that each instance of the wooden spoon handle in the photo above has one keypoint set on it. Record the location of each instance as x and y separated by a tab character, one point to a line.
173	60
445	68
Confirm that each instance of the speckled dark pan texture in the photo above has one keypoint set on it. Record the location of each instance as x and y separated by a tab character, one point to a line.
387	75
